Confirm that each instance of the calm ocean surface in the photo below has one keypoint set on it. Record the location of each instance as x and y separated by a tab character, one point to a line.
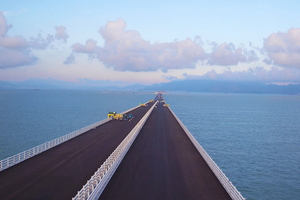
254	139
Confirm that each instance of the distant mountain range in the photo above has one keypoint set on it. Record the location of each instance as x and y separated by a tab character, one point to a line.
173	86
82	85
225	87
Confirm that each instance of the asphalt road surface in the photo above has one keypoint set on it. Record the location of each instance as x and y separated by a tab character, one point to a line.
60	172
163	163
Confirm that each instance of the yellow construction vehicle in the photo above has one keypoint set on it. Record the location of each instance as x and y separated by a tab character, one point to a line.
166	105
114	116
150	101
143	104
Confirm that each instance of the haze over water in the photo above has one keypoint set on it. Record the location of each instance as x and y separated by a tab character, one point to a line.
254	139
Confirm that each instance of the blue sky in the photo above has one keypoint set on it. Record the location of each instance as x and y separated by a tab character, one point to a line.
150	42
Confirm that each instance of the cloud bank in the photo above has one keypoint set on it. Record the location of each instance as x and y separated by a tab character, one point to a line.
126	50
16	51
283	49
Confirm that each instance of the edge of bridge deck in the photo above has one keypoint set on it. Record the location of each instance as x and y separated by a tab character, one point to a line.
97	183
129	176
29	153
71	166
228	186
222	179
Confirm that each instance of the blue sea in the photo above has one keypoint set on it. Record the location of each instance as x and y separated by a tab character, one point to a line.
254	139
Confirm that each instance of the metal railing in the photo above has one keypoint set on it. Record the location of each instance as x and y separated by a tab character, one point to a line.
95	186
228	186
20	157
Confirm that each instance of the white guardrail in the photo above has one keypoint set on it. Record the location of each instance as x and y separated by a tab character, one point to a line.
20	157
229	187
95	186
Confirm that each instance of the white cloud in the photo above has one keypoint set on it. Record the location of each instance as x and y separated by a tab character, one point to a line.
227	54
126	50
283	49
41	43
3	25
61	33
12	58
16	51
70	59
90	47
13	50
16	42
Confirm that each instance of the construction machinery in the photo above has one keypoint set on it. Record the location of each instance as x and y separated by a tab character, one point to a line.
150	101
143	104
114	116
127	117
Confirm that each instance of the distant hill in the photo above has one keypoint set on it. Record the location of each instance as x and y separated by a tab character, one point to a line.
82	85
5	85
178	86
225	87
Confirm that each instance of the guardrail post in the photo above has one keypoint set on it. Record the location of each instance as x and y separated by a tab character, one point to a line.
78	193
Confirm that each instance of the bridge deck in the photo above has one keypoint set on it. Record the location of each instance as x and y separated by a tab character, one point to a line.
62	171
162	163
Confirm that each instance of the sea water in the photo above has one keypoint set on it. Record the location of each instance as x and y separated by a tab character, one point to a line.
29	117
254	139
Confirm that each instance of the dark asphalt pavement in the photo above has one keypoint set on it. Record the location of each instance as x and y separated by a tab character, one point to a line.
62	171
162	163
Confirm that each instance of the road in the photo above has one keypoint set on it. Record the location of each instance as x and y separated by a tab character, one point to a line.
162	163
60	172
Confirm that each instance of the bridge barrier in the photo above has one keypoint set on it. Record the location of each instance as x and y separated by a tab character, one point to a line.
228	186
97	183
20	157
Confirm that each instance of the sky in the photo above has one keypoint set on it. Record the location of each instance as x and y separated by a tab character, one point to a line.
150	42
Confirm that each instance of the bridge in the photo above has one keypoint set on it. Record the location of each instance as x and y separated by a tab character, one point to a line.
152	156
